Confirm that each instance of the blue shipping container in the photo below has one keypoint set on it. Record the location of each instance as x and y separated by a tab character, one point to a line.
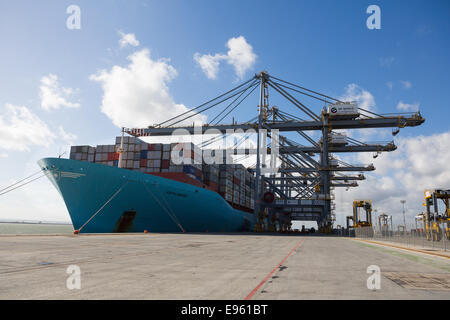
189	169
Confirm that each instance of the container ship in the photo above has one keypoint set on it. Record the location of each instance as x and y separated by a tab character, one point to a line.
148	192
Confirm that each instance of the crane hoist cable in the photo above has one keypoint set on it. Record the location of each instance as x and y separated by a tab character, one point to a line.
255	83
304	93
207	108
237	105
294	101
295	85
204	104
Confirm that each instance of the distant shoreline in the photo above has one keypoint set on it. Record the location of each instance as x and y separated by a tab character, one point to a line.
37	222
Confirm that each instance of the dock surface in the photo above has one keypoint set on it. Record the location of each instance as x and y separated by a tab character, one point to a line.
215	266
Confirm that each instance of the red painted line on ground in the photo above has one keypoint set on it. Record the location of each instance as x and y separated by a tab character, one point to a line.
274	269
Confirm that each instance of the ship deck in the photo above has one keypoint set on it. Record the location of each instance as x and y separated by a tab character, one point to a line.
213	266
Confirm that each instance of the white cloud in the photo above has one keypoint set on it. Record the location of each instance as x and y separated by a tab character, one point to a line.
390	85
20	128
66	136
209	64
386	61
401	174
137	95
406	84
53	96
240	55
408	107
364	98
127	39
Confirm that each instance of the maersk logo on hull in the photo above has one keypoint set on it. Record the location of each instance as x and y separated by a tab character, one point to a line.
73	175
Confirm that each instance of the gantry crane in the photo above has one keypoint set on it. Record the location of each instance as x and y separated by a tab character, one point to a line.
304	182
432	219
383	224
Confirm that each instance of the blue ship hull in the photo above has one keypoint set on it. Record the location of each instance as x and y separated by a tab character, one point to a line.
104	199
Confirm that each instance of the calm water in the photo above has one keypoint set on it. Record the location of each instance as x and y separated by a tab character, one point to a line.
24	228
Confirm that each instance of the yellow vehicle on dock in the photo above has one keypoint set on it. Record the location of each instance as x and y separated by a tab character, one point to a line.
432	219
359	220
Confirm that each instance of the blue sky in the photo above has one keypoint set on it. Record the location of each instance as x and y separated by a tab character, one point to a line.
322	45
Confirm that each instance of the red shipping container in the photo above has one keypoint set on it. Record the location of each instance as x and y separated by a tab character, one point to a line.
143	163
151	147
178	176
116	156
236	181
165	164
111	156
213	186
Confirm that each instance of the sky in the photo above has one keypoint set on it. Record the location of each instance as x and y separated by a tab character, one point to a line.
134	63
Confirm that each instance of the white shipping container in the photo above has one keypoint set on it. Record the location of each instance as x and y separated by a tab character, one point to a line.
228	197
136	164
77	156
166	155
104	157
333	162
166	147
110	163
111	148
338	138
131	147
90	158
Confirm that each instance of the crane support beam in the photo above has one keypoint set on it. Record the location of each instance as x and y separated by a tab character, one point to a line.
306	170
380	122
307	149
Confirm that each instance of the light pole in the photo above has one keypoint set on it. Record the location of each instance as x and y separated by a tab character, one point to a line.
375	218
404	220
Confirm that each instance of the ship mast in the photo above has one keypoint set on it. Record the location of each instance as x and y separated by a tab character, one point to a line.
120	149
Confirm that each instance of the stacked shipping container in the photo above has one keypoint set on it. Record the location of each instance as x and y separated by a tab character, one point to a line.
175	161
